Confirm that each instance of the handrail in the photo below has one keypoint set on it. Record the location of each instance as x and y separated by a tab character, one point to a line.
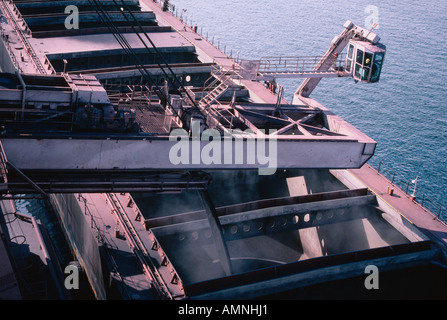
397	180
294	64
224	77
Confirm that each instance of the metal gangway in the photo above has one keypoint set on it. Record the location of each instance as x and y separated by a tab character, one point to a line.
270	68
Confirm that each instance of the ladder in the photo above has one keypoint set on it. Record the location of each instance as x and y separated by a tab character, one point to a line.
221	81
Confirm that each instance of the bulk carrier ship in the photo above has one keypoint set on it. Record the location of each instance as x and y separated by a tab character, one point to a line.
178	172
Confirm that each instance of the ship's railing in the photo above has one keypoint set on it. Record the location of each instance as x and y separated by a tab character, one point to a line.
397	179
134	96
21	34
180	14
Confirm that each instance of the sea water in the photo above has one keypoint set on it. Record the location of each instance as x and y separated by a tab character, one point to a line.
405	112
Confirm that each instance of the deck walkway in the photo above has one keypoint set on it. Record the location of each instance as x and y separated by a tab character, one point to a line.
125	267
420	216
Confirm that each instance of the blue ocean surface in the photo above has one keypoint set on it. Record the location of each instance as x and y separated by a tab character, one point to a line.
405	112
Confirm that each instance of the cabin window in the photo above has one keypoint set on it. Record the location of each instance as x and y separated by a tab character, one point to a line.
377	67
366	65
359	56
357	70
349	58
350	51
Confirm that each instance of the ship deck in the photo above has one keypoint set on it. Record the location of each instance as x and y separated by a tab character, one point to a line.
76	45
403	203
279	237
289	231
124	265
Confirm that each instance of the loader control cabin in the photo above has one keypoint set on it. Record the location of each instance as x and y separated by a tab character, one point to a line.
364	60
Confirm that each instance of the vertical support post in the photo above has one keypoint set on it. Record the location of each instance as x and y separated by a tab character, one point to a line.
415	181
216	230
23	93
65	64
